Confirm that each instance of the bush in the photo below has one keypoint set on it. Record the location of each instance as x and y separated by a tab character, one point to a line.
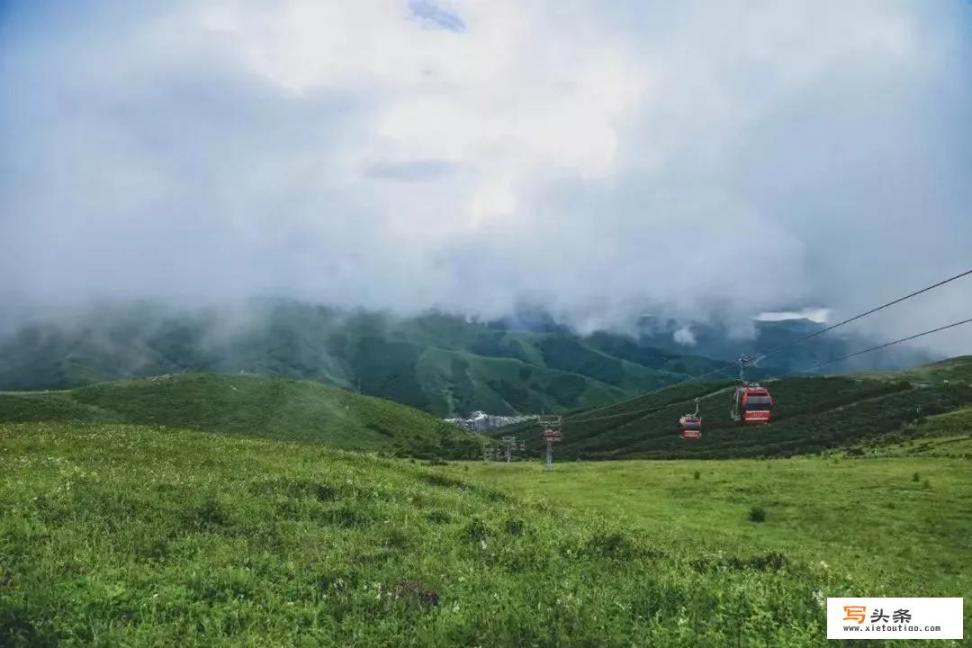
611	545
207	515
697	475
514	526
438	517
757	514
475	531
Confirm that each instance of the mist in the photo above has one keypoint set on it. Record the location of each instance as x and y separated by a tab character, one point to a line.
698	161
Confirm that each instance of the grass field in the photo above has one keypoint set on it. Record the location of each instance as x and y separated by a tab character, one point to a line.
866	517
256	528
123	535
113	534
892	526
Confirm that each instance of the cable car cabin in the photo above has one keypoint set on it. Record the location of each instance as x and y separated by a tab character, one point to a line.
690	422
691	426
752	404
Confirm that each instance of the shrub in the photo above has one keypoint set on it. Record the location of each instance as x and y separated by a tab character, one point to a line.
475	531
396	539
207	515
514	526
611	545
772	561
416	593
438	517
757	514
442	480
697	475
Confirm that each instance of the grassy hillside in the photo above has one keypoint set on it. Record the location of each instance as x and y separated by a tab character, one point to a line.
953	370
944	435
812	415
888	524
125	535
442	364
257	405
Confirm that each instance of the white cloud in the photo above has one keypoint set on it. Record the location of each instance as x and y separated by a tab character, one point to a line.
684	336
702	160
818	315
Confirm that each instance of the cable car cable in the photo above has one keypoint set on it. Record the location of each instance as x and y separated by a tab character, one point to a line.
801	340
763	355
892	343
871	312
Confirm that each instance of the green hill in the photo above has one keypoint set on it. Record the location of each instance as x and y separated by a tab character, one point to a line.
439	363
813	414
121	535
278	408
953	370
942	435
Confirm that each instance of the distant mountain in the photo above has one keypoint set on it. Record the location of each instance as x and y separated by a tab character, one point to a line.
443	364
440	363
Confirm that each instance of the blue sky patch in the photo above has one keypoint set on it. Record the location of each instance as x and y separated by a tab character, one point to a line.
429	12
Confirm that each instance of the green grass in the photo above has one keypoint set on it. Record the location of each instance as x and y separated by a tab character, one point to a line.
953	370
124	535
944	435
259	405
868	520
118	528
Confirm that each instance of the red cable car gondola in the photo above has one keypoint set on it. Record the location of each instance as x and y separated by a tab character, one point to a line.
751	404
691	424
690	434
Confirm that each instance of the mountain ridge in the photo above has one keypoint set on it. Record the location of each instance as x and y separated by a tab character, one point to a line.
440	363
444	364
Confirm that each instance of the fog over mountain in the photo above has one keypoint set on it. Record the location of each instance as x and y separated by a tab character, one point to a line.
695	161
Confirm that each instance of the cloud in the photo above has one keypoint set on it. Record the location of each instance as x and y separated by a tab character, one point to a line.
818	315
410	171
684	336
704	161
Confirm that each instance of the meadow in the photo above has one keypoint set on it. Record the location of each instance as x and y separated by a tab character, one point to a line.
903	522
116	534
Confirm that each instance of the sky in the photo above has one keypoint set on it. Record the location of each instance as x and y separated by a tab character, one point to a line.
602	160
